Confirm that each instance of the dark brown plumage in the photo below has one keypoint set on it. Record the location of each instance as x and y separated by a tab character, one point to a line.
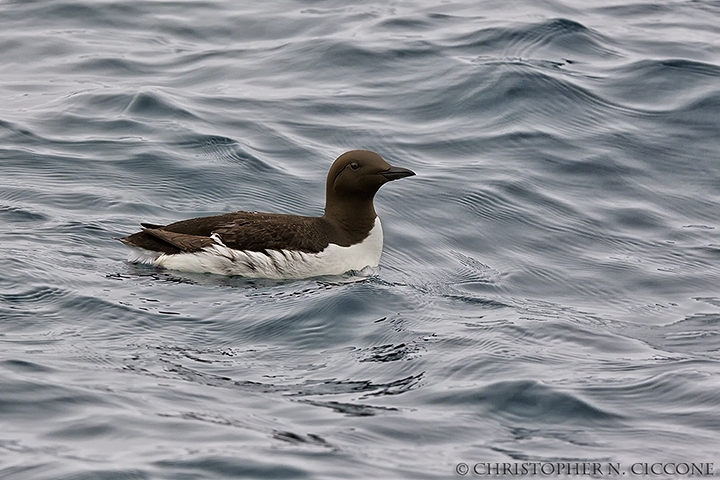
352	182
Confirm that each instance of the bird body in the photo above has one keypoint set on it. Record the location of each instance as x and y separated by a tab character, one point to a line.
348	237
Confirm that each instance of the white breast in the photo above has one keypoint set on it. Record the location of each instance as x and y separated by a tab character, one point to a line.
277	264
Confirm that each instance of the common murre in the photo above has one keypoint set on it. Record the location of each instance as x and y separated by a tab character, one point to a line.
269	245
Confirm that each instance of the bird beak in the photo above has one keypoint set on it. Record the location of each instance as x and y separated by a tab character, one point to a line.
395	173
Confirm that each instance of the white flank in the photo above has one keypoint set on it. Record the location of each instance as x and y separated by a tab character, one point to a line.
277	264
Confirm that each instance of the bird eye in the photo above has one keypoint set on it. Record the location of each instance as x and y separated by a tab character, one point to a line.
354	165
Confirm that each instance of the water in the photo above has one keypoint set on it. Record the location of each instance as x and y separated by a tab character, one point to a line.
549	286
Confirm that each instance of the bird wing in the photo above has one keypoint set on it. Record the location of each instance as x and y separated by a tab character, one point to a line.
238	230
182	241
274	232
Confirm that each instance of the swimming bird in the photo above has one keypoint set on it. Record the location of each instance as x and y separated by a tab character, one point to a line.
347	237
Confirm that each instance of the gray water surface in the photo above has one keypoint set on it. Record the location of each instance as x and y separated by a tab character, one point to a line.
549	288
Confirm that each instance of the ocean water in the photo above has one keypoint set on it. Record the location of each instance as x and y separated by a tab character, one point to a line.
549	291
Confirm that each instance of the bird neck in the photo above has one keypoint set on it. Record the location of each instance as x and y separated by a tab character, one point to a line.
355	215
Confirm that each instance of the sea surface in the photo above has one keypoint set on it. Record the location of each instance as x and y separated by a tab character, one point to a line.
549	291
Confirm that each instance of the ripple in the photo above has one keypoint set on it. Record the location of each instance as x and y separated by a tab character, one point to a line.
17	214
41	294
153	104
567	36
351	409
530	400
668	86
